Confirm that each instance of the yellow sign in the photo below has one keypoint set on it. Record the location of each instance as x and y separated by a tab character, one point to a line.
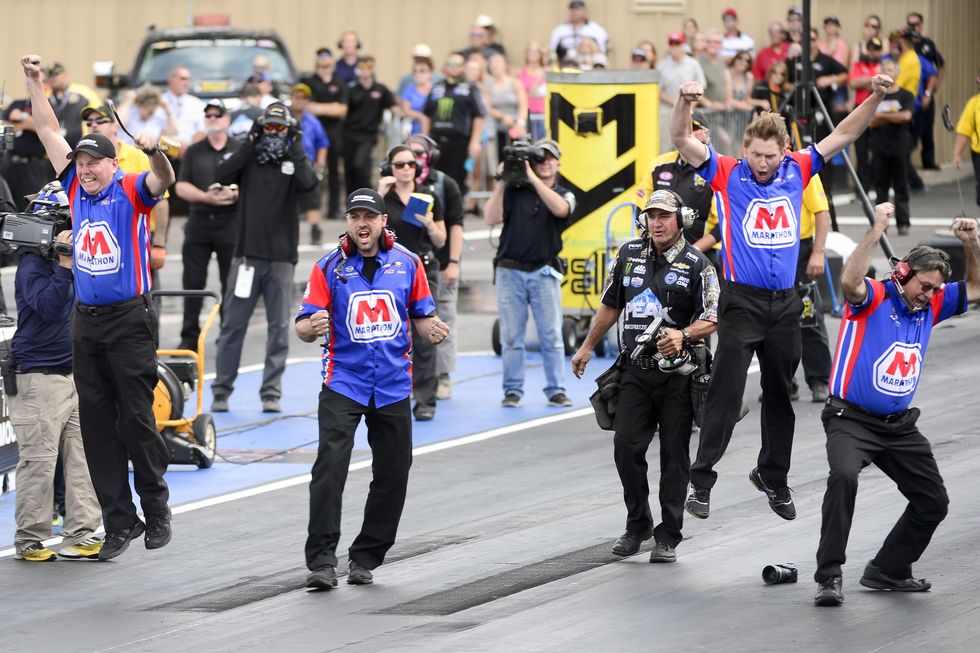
607	124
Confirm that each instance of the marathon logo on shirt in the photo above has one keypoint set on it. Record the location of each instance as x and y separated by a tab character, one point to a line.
897	370
372	316
770	223
96	249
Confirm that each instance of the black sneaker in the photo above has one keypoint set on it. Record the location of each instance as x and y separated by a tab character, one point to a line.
559	400
698	501
424	413
359	574
876	579
779	499
629	543
117	542
315	234
158	530
829	592
663	553
322	578
818	393
511	400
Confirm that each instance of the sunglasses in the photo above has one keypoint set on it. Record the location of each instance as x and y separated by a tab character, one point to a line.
916	25
399	165
98	121
274	129
872	25
213	116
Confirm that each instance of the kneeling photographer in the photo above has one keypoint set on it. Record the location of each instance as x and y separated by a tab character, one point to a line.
38	381
669	292
534	209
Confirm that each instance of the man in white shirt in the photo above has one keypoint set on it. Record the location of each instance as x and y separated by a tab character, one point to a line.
187	109
674	69
570	34
735	40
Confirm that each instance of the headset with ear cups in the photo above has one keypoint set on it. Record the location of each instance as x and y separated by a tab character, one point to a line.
685	214
386	242
341	39
907	266
431	147
386	170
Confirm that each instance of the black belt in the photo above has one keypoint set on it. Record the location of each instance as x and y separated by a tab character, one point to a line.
63	371
645	362
837	402
105	309
517	265
760	292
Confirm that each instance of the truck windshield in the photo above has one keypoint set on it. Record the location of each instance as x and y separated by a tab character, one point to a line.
216	64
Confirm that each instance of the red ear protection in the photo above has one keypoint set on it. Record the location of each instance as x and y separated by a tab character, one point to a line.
386	242
902	272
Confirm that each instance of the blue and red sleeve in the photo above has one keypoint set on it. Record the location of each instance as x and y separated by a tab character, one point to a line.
317	295
873	299
949	301
420	302
810	161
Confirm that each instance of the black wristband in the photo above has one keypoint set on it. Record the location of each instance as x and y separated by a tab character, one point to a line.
454	260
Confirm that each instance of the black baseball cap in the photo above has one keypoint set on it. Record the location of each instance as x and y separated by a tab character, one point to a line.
95	144
276	114
100	112
698	121
874	43
366	198
216	103
55	69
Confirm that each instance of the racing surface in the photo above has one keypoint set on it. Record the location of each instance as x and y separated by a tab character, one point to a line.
505	540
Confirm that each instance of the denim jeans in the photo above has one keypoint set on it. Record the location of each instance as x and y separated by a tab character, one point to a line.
541	290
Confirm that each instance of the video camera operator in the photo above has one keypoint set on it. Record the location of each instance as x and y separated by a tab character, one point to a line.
656	276
534	209
44	408
114	328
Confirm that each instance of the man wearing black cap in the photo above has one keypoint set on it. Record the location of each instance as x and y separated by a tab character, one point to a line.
271	168
859	78
330	106
367	101
656	276
114	329
567	36
926	48
211	223
359	299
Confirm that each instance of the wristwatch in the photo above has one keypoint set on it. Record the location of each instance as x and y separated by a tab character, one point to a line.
687	337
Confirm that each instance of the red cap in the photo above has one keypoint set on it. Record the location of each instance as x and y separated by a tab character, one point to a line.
729	12
674	38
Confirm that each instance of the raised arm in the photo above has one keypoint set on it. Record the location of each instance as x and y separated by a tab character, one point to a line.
161	175
856	267
966	230
45	122
681	136
851	127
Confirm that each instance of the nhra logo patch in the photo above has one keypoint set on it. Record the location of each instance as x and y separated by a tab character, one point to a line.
372	316
96	249
770	223
897	370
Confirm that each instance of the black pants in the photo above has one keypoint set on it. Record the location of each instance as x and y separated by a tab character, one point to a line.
865	169
767	323
922	133
333	187
357	160
425	378
892	171
390	438
648	398
196	251
816	345
453	152
854	441
115	370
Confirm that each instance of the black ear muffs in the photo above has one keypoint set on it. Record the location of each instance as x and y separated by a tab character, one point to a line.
386	242
341	40
431	147
386	170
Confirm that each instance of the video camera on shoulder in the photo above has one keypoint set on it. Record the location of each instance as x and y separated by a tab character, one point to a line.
514	172
34	230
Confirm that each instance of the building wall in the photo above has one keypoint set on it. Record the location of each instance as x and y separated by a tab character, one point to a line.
77	33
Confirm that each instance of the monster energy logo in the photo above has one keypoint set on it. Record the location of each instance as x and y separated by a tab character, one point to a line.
444	108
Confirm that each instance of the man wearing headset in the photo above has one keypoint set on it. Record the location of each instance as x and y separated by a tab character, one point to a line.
360	298
657	275
880	351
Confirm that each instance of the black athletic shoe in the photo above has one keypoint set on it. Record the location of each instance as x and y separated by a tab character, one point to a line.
322	578
829	592
158	530
629	543
876	579
359	574
663	553
779	499
698	501
117	542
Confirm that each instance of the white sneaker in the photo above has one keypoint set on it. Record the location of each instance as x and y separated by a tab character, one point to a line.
444	390
87	548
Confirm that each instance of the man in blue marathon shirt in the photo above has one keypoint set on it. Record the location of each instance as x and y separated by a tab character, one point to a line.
360	298
758	200
880	352
115	326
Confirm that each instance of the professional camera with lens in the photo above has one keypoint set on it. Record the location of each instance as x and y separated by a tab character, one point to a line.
34	230
514	172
